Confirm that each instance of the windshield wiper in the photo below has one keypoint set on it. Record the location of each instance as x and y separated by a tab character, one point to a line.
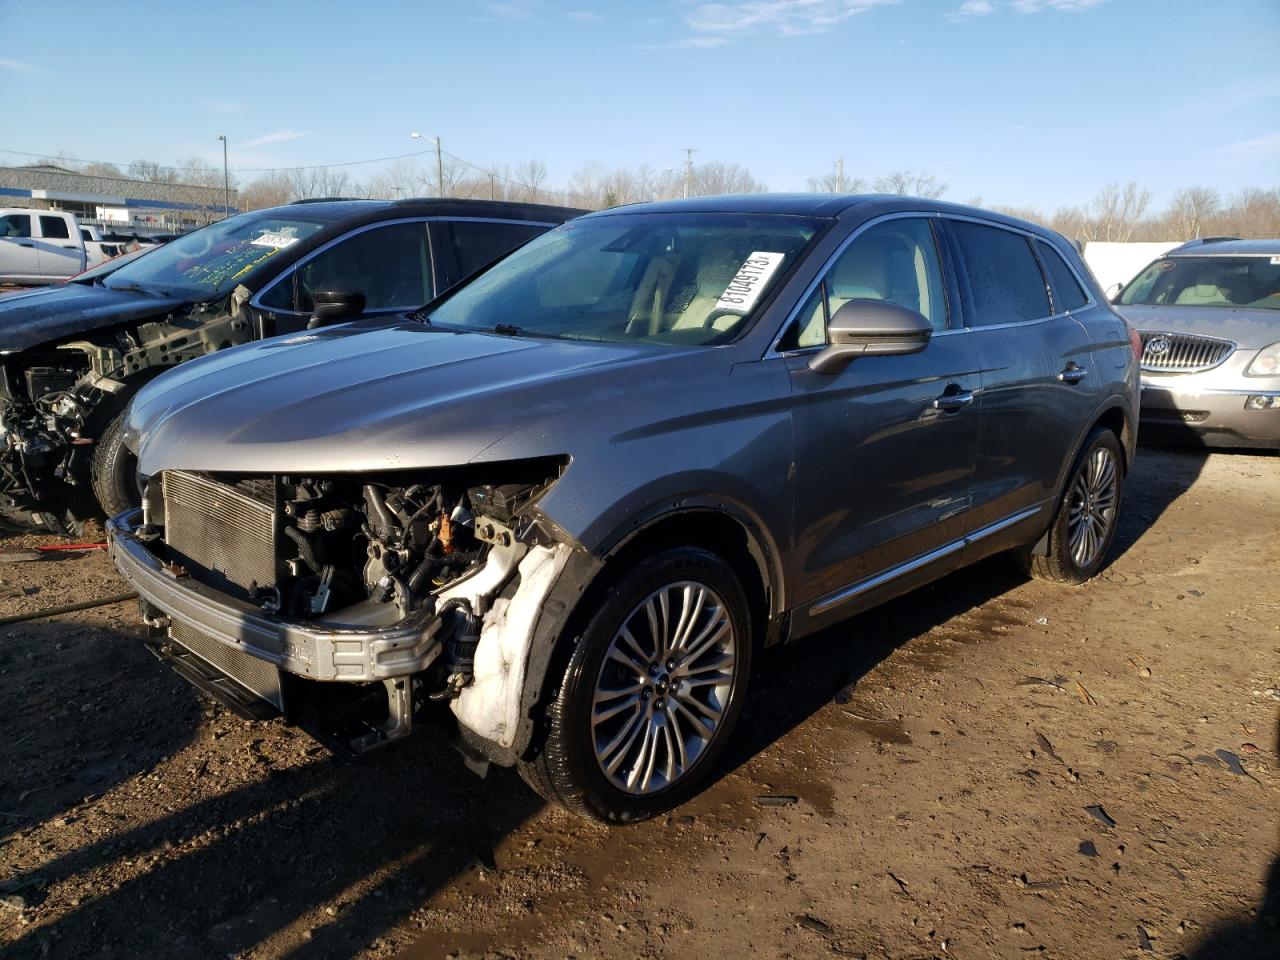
135	288
506	330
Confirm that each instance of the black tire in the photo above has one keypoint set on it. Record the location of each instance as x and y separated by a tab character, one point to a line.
565	769
114	471
1058	563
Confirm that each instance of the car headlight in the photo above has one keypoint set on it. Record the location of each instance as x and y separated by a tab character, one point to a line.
1266	363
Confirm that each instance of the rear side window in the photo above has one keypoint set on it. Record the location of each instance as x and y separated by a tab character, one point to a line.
476	244
1005	282
390	265
54	228
1067	292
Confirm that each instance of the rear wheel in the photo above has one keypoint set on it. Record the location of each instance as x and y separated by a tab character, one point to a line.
651	692
1085	522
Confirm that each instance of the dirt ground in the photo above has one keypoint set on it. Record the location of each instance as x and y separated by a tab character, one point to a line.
989	767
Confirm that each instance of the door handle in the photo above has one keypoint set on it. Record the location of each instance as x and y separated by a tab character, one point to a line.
1073	374
953	402
25	243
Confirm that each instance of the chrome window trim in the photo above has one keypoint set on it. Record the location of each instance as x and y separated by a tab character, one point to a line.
846	594
794	312
255	300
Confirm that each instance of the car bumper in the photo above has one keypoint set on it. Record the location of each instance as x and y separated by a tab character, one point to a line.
240	639
1210	416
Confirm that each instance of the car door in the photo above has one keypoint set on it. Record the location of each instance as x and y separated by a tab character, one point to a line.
1036	393
19	256
61	254
390	263
464	245
884	449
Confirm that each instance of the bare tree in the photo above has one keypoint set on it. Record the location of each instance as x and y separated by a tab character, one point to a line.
1189	208
531	175
269	190
1116	212
911	184
836	182
306	183
716	177
151	171
101	170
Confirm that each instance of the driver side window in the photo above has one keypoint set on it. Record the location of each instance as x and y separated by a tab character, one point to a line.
390	265
895	261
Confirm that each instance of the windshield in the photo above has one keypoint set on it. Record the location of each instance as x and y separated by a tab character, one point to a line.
94	274
212	260
662	278
1208	282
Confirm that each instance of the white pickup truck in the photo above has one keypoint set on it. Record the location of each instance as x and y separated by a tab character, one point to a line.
46	246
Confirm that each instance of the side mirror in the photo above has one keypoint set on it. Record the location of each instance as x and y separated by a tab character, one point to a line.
1113	291
334	306
870	327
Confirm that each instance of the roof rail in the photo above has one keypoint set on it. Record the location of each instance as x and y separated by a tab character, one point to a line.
294	203
1201	241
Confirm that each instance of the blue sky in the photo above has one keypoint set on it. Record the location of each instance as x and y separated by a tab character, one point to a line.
1034	102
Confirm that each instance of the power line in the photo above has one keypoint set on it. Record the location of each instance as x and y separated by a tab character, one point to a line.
312	166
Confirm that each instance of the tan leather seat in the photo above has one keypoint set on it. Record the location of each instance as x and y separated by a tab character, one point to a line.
1202	293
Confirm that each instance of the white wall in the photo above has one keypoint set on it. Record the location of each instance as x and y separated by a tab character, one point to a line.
1115	263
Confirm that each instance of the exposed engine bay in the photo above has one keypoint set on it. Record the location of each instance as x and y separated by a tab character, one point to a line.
56	401
341	557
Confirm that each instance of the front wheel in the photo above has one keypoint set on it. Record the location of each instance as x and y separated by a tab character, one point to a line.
114	471
651	692
1085	522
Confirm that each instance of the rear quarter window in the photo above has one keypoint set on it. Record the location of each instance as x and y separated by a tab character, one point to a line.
1004	279
1067	292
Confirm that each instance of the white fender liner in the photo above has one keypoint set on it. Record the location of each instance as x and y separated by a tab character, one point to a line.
490	705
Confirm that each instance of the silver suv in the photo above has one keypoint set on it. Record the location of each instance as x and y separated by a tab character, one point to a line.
573	498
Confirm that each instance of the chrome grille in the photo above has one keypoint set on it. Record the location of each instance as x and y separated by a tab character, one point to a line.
261	677
1182	352
222	535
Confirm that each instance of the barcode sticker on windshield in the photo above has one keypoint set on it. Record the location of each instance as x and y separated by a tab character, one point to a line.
274	240
752	277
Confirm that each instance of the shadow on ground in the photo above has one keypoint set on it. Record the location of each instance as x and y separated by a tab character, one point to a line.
375	841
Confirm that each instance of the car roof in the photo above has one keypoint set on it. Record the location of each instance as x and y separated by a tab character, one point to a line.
354	212
818	205
1225	247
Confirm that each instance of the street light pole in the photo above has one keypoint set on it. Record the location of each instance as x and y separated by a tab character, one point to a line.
439	160
226	180
688	170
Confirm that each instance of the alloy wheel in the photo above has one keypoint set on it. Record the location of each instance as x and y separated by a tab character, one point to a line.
1092	508
663	687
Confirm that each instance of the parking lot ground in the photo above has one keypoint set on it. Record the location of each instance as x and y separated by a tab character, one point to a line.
989	767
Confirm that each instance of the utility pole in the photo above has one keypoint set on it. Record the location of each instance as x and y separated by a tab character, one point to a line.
439	161
840	175
492	187
688	170
226	180
439	168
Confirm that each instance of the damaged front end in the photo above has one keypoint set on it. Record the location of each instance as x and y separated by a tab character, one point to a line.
57	399
348	604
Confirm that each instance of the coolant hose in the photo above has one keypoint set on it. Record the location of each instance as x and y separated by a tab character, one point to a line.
306	550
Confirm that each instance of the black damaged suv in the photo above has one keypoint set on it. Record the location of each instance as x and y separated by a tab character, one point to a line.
72	356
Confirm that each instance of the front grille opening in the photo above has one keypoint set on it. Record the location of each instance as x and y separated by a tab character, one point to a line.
1182	352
